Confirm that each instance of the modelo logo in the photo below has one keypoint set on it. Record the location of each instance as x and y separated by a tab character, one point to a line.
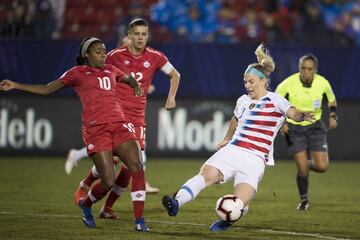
178	133
18	133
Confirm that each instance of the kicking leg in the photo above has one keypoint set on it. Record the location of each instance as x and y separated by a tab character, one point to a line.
105	166
121	183
245	192
208	175
73	157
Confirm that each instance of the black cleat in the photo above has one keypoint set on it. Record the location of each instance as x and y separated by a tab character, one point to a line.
171	205
303	205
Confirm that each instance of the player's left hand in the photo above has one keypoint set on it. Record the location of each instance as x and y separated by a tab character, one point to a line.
170	103
332	123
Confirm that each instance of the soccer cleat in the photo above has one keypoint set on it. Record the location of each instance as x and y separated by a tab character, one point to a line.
140	225
171	205
150	189
70	161
220	225
303	205
107	213
81	193
87	217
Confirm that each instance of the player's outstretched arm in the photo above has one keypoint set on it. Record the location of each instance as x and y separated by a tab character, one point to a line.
7	85
300	116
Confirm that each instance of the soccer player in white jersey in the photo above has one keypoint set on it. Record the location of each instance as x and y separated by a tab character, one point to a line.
248	144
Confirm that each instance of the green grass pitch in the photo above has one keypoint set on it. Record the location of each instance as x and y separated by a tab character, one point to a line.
36	202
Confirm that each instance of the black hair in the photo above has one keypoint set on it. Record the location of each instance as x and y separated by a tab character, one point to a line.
80	60
309	56
137	22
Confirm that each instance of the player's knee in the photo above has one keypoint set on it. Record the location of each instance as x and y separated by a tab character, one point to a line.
303	171
108	182
321	167
211	175
134	164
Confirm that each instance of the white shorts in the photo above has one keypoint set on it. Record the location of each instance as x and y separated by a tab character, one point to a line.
238	164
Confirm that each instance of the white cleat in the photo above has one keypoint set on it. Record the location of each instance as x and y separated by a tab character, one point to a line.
70	161
151	190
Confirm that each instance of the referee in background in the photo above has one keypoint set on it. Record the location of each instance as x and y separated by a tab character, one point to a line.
306	91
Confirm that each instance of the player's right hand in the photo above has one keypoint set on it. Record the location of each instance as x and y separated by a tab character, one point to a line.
138	91
6	85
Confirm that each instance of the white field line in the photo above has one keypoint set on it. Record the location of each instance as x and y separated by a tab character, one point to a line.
313	235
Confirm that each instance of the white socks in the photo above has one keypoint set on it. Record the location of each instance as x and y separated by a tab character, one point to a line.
190	189
143	159
95	172
80	154
118	190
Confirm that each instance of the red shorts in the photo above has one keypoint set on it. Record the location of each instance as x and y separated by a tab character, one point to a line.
140	131
107	136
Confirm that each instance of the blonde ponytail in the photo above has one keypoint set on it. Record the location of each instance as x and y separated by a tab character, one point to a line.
264	59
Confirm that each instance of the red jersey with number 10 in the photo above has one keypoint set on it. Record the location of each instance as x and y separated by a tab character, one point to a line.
96	90
142	67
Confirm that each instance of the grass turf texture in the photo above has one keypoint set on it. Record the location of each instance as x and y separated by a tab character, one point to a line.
36	202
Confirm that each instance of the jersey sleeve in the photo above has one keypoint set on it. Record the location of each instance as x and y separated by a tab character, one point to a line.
162	60
281	103
167	68
282	88
328	91
119	75
69	78
239	108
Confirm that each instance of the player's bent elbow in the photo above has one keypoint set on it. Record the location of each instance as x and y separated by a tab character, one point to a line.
176	74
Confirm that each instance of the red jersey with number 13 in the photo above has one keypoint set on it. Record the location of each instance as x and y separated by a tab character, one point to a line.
96	90
142	67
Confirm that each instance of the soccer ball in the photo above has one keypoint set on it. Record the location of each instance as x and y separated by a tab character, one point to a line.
229	208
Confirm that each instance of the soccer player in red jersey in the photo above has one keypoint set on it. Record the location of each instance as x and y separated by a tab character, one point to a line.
140	61
105	128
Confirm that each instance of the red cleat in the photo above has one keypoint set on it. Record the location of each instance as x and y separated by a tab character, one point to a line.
80	193
107	213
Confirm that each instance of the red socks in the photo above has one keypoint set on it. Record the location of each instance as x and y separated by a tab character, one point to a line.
138	193
89	179
95	194
121	183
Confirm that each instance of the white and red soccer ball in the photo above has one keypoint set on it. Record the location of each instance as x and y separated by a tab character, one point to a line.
229	208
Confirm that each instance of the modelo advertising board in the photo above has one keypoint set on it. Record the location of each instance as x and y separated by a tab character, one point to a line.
39	125
192	129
